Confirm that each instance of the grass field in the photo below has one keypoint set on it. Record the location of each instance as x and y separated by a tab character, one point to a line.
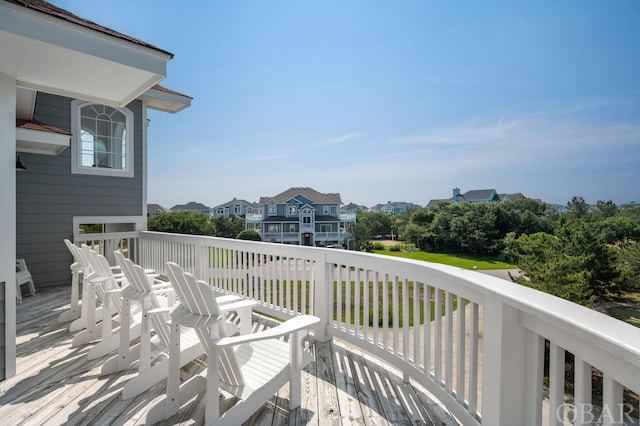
466	262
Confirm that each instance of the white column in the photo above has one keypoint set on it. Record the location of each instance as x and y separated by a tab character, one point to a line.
8	215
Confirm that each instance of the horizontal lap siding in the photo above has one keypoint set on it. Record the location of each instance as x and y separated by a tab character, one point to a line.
49	196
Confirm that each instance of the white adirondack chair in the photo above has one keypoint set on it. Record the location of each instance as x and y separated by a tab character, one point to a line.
252	367
102	285
152	296
23	276
79	267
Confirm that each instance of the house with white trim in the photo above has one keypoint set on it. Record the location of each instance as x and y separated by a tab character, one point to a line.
74	97
235	207
304	216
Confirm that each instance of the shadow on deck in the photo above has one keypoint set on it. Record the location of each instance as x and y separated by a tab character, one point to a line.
57	384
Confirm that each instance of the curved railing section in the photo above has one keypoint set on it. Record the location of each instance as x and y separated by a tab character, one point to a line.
491	351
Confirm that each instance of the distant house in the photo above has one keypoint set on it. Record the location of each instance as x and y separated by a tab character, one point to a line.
192	206
353	208
394	207
473	196
303	216
155	210
235	207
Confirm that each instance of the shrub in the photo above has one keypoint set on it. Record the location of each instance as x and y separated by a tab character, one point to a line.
249	234
378	246
395	247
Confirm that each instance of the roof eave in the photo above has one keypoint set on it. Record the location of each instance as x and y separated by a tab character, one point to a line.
49	54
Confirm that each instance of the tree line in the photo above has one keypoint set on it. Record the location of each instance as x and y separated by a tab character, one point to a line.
582	254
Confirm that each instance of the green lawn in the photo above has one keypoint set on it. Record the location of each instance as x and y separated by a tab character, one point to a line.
466	262
628	315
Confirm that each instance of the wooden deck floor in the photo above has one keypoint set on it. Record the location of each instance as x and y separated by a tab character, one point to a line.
56	384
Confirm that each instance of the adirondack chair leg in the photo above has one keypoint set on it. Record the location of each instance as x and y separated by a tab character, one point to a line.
212	404
124	352
91	332
107	319
173	375
74	309
158	372
112	342
81	323
145	339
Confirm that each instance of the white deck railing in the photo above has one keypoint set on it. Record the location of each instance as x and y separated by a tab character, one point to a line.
485	363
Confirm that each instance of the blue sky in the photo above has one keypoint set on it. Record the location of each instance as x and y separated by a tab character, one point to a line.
391	100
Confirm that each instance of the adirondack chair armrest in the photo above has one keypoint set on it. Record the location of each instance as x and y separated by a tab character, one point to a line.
294	324
158	311
236	306
113	291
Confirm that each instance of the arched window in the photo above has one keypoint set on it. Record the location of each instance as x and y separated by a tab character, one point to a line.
102	139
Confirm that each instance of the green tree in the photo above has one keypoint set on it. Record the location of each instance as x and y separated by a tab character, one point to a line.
228	228
185	222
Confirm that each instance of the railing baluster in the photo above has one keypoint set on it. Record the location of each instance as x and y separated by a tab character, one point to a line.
613	409
461	350
376	308
473	358
556	385
448	349
426	340
437	347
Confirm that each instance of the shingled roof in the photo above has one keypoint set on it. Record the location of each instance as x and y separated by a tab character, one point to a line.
309	193
56	12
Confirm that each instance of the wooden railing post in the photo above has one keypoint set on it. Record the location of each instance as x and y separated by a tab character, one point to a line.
322	297
504	366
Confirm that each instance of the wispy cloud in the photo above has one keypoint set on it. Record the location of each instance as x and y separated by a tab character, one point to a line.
339	139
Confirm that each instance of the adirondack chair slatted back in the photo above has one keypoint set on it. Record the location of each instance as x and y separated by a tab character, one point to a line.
77	258
142	285
198	298
102	269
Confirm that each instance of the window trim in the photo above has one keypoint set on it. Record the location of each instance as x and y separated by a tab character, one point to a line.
76	143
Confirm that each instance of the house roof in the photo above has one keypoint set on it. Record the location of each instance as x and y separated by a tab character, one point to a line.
51	10
41	127
192	205
478	194
236	201
48	49
309	193
156	207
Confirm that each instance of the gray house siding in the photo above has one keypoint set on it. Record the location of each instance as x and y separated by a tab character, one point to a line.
48	196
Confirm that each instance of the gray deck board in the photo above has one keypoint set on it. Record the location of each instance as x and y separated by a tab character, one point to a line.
57	384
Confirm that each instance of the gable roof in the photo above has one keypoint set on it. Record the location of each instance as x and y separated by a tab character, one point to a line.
156	208
309	193
192	205
478	194
236	201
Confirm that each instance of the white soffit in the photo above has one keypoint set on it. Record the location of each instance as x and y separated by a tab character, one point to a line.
38	142
166	102
48	54
25	103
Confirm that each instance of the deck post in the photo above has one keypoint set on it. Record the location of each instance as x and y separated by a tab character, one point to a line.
322	289
8	224
504	363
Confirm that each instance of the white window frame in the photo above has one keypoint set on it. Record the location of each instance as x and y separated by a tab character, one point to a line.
76	144
272	209
292	210
237	209
325	210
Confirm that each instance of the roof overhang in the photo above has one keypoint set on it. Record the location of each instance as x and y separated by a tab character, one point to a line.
45	53
38	138
166	100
